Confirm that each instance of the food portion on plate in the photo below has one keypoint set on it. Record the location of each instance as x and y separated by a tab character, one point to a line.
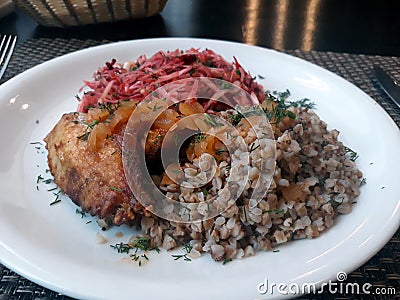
314	177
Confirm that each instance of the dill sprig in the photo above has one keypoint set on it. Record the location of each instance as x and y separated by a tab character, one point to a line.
251	111
253	147
220	151
57	197
281	108
80	212
139	246
122	248
109	107
353	155
115	189
187	248
88	130
284	96
199	137
235	119
275	211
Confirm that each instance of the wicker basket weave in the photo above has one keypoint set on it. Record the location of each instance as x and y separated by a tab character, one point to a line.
64	13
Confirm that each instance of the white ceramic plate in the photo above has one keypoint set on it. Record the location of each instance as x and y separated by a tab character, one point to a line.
54	247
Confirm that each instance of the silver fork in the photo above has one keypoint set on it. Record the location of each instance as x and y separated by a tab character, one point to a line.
6	50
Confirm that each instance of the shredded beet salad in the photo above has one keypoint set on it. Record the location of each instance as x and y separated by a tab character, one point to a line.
135	80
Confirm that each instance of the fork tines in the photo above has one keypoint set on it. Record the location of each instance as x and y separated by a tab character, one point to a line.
7	45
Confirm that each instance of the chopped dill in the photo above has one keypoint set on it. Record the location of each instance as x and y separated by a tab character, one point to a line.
253	147
84	136
353	155
142	243
235	119
199	137
139	246
111	188
47	181
78	211
210	121
57	200
226	85
121	247
281	108
304	103
275	211
220	151
39	178
109	107
187	248
321	181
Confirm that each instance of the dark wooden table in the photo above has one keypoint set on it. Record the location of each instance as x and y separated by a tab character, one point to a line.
361	27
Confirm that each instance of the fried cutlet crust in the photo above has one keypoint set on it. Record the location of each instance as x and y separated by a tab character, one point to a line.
93	179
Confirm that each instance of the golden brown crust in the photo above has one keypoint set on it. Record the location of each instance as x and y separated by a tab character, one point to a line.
93	179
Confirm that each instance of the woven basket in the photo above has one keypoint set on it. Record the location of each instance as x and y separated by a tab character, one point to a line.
64	13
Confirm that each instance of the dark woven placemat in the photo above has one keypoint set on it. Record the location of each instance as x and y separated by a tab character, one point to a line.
382	271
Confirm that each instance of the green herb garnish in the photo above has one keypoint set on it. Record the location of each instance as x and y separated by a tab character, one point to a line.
91	125
235	119
281	109
353	155
210	121
111	188
80	212
47	181
57	200
84	136
121	247
139	246
226	85
187	248
275	211
204	191
253	147
321	181
220	151
39	178
199	137
303	103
